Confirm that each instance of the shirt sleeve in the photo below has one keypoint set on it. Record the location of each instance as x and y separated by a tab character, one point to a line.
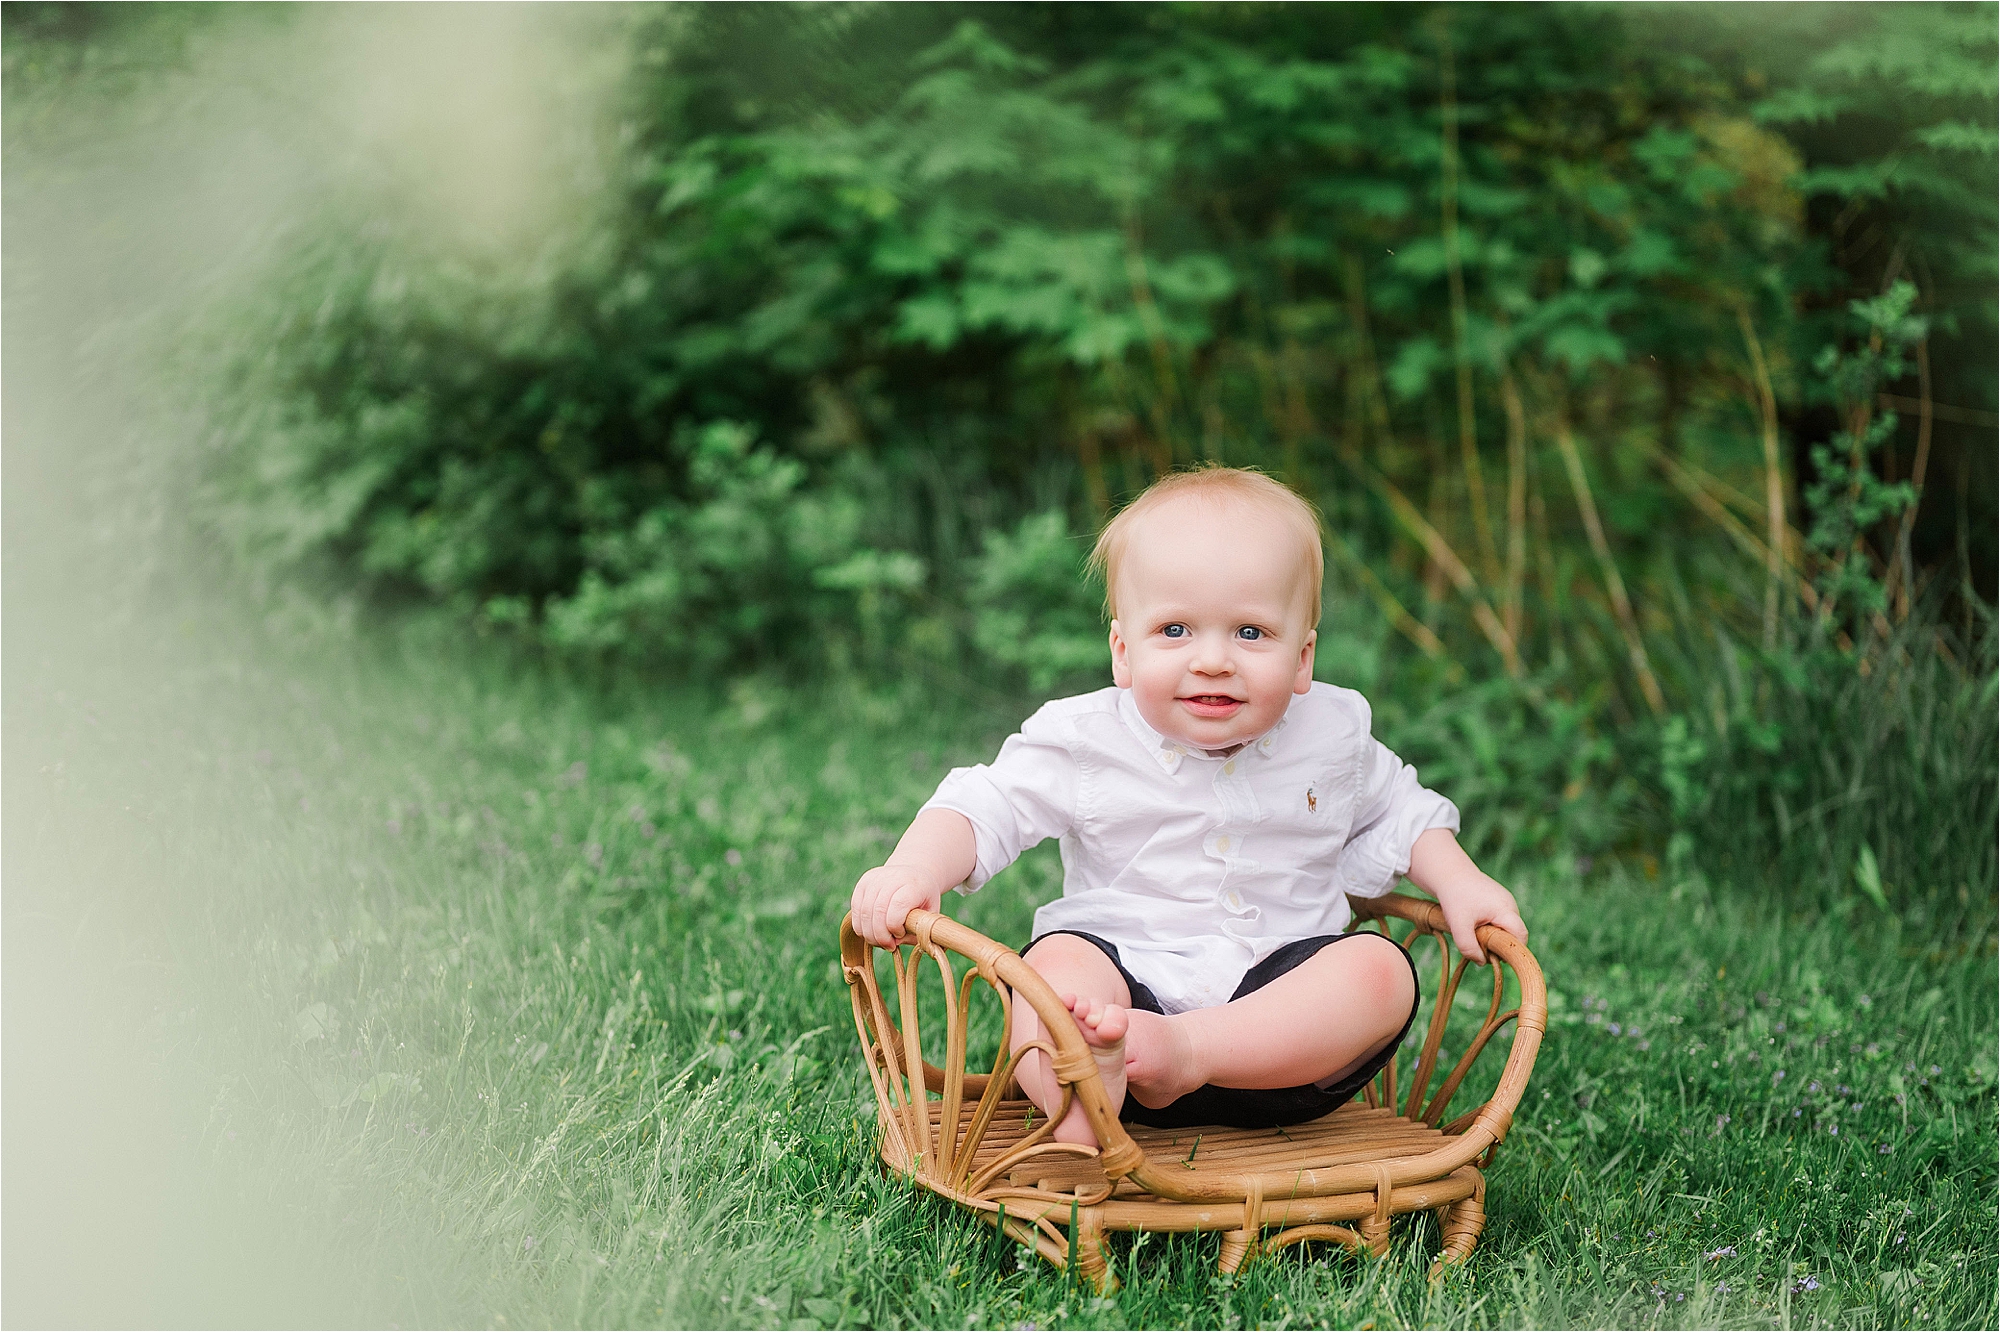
1025	795
1393	810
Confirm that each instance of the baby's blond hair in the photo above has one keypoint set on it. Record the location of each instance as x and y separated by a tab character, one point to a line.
1215	484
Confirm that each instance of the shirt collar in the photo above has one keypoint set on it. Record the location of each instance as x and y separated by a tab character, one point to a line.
1169	752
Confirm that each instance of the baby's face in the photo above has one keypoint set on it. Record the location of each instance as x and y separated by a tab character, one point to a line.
1211	633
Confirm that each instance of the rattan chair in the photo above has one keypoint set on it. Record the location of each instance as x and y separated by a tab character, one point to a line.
973	1138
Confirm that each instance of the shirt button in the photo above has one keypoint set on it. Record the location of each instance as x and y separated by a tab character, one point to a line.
1229	768
1222	843
1235	898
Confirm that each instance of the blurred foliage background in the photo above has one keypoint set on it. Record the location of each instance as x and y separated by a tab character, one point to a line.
1641	359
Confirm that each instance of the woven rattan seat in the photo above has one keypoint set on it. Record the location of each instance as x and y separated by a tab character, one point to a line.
972	1137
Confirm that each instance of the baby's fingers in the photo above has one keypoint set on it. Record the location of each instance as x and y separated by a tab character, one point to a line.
896	911
871	918
902	900
1468	941
868	914
858	908
885	936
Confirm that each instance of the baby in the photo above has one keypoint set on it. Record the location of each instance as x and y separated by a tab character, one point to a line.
1216	807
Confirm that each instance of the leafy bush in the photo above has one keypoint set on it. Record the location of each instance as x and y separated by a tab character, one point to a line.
887	305
1031	609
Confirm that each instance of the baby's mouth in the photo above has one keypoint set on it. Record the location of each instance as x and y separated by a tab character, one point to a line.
1211	705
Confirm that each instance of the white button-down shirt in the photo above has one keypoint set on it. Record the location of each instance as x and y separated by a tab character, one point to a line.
1198	866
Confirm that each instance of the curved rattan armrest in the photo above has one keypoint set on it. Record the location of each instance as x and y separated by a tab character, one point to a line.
1500	946
1073	1064
1486	1127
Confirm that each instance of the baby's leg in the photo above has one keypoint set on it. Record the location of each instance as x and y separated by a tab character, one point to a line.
1090	984
1317	1022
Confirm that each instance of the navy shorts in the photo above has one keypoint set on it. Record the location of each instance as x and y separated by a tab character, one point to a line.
1246	1107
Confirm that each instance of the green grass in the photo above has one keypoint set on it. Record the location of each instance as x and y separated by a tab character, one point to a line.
450	992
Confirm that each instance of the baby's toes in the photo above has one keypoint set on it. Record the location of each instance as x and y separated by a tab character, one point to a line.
1094	1019
1108	1027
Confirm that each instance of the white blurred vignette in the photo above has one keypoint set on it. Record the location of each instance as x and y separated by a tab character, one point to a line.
124	1037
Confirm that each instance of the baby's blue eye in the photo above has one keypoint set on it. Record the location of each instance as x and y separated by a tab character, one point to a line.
1250	632
1175	631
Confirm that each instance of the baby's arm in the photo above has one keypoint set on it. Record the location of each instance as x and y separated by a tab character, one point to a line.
1026	794
1470	897
935	853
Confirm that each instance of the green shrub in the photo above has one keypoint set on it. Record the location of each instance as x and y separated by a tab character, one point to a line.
887	307
1034	612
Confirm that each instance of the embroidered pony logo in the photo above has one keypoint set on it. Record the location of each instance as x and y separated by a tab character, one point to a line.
1312	800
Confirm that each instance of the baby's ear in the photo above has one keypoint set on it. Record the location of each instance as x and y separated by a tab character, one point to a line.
1121	669
1302	682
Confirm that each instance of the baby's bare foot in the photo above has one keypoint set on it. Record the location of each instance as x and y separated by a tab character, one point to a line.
1103	1027
1160	1065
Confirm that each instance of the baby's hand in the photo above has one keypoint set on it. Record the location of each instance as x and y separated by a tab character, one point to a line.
1468	894
885	896
1478	900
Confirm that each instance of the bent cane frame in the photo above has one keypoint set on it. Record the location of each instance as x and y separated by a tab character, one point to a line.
973	1138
